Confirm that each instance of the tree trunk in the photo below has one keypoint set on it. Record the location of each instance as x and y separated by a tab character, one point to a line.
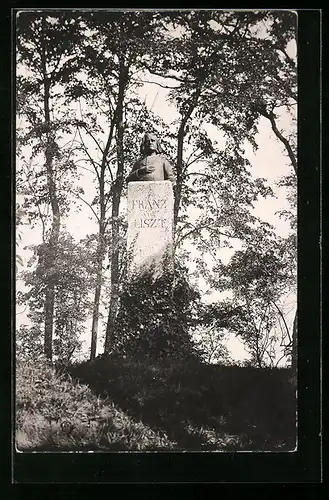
179	161
56	221
94	327
115	227
116	195
100	254
294	360
259	360
114	273
100	246
51	258
179	170
99	276
49	314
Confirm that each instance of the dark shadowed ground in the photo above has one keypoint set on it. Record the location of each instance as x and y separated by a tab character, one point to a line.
201	407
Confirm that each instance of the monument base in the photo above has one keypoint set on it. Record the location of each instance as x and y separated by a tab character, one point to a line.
150	227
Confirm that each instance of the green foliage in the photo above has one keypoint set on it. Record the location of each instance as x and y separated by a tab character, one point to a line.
155	316
257	272
139	406
28	343
257	277
226	187
290	183
231	62
209	341
72	275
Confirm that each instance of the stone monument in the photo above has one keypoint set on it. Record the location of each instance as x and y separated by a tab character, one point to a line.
150	210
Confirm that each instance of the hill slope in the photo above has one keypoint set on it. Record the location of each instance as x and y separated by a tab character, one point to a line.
53	412
124	405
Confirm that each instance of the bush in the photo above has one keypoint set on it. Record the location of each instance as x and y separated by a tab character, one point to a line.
28	343
155	317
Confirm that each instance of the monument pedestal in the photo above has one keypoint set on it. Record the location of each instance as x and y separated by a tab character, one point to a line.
150	226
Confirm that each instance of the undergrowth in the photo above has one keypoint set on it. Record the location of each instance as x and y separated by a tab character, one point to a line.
53	412
199	406
125	405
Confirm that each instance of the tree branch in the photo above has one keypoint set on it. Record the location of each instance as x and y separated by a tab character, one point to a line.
84	125
53	72
84	168
89	205
207	176
271	117
71	147
173	77
198	229
287	56
157	83
256	349
189	163
283	319
92	161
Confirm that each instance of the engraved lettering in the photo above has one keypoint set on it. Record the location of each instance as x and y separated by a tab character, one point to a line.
148	204
149	223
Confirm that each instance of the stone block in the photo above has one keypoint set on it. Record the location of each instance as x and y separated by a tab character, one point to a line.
150	225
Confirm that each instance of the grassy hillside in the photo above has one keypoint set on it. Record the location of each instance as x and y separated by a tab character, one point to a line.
53	412
123	405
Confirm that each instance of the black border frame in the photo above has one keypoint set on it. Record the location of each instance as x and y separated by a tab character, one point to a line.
301	466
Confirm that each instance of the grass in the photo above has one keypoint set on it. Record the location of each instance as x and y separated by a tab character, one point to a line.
123	405
54	412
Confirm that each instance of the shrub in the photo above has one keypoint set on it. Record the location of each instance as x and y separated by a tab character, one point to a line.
155	317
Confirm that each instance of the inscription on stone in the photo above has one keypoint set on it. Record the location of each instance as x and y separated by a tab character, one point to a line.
148	204
150	222
143	223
